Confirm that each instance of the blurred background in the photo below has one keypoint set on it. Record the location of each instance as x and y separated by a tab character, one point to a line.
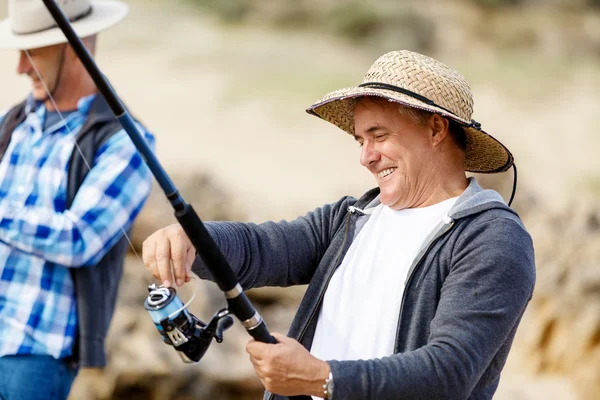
223	84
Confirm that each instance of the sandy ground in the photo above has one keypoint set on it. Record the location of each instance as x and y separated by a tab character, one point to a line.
231	101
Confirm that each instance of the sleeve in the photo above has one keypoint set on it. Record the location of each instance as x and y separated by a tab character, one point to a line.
481	303
281	253
105	207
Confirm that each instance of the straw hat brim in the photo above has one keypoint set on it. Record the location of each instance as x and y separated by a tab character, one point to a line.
484	153
105	13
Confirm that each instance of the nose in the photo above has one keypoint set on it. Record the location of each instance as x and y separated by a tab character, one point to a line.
24	66
368	154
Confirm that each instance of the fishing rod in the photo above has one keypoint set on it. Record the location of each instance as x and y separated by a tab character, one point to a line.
177	326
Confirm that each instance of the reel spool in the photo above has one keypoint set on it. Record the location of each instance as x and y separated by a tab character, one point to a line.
180	328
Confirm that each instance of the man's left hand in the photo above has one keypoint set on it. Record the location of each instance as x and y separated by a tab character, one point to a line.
287	368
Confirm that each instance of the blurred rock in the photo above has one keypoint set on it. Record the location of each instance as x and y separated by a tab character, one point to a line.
289	296
560	331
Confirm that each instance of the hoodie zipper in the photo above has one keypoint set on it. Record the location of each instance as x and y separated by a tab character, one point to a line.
424	250
351	210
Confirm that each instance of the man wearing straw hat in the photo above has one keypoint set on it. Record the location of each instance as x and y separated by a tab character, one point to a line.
416	289
71	184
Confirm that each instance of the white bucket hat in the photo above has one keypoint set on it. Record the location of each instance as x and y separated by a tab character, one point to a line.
29	24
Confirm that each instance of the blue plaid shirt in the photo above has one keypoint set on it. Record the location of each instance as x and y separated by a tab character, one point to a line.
40	240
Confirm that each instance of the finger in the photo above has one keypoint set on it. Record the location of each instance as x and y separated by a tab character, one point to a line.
149	256
255	349
257	365
189	261
178	242
163	260
254	361
250	346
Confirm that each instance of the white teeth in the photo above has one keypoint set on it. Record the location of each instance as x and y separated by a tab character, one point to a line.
385	172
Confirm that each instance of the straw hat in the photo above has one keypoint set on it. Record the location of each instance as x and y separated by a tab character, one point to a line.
29	24
418	81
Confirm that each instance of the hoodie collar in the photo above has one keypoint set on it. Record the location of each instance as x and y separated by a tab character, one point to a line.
475	199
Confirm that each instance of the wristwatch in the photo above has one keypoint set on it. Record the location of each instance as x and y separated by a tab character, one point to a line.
328	387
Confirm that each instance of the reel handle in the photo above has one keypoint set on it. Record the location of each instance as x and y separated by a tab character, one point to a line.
223	324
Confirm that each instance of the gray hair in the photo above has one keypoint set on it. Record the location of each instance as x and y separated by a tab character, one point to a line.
421	117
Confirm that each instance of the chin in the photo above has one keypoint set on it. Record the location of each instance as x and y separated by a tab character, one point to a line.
39	95
389	201
392	198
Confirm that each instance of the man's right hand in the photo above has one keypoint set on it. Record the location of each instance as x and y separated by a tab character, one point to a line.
168	247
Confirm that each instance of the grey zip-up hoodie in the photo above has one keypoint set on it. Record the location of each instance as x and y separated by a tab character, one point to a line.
465	292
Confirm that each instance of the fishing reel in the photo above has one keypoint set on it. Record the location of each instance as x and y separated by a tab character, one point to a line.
181	329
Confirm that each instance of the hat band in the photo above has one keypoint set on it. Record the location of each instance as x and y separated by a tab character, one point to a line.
72	19
387	86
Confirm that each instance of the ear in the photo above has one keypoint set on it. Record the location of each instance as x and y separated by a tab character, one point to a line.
439	129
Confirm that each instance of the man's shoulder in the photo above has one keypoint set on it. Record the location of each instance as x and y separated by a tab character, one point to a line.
496	231
497	238
501	226
504	216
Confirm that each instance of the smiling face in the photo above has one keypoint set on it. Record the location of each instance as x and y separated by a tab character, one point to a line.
403	155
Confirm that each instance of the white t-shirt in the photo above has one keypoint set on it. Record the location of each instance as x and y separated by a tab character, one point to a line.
361	306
